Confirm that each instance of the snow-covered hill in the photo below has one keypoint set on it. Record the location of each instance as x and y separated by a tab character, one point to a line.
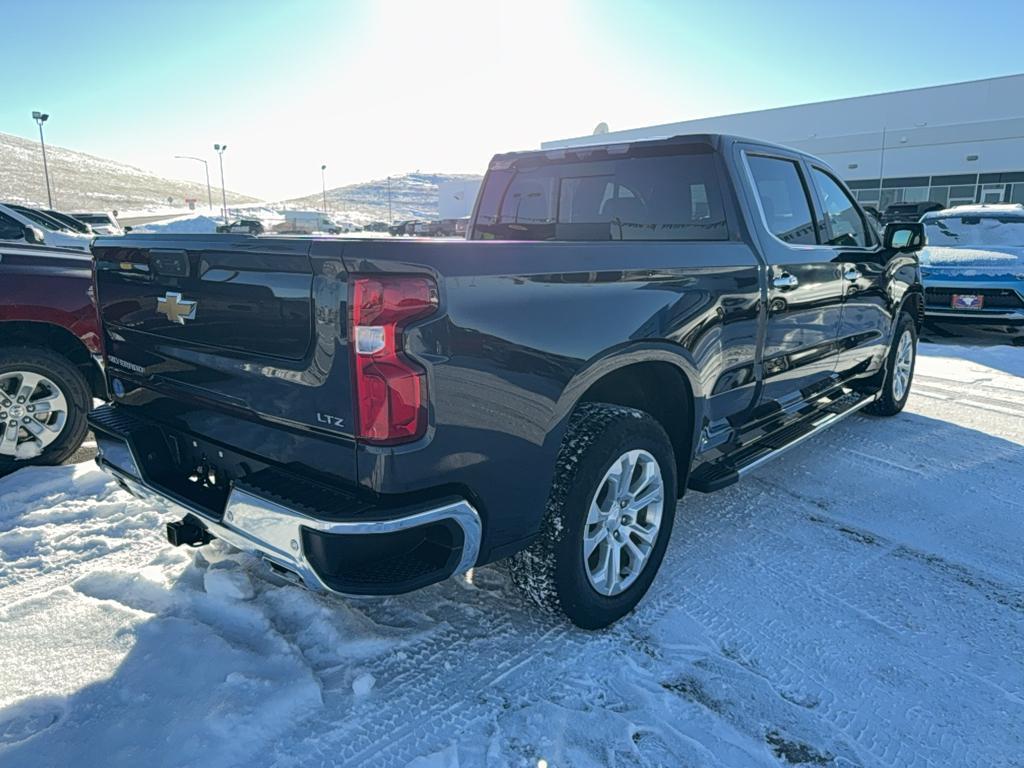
85	182
413	196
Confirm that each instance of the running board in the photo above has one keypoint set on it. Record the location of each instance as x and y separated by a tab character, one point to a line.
725	472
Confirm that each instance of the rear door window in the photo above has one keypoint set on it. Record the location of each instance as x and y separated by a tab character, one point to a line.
664	197
784	200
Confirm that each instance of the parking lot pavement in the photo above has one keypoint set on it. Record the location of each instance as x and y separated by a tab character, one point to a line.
858	602
87	452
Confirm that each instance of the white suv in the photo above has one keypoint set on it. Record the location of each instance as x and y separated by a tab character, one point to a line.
53	232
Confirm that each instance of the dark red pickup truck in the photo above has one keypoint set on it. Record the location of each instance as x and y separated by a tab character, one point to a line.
49	350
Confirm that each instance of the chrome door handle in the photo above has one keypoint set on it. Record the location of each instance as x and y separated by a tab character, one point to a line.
785	281
852	274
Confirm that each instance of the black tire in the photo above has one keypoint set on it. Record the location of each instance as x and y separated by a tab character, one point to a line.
552	572
70	380
888	403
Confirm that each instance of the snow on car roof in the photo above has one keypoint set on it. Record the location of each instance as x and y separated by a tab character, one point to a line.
983	209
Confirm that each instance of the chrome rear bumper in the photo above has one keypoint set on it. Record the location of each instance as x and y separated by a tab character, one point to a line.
274	532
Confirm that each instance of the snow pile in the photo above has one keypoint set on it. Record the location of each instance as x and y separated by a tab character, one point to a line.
856	603
192	224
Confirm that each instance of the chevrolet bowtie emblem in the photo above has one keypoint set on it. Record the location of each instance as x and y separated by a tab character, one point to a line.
175	308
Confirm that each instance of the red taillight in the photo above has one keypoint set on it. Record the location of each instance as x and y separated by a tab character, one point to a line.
391	389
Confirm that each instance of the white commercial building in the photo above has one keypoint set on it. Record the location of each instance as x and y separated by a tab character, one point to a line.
956	143
456	198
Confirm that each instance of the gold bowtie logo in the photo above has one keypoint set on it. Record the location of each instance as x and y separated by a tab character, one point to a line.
175	308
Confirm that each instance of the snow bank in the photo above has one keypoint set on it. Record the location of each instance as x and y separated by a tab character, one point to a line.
193	224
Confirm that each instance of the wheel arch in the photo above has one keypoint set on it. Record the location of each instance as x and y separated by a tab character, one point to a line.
654	378
913	305
56	338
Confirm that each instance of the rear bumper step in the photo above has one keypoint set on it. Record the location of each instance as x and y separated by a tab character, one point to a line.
369	555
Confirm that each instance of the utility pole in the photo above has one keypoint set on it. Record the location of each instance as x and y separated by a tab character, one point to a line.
391	219
209	194
881	169
323	184
41	118
223	195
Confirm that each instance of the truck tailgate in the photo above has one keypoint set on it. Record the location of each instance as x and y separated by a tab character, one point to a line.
224	334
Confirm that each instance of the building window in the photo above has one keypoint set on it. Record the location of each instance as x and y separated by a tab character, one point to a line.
939	195
961	195
992	193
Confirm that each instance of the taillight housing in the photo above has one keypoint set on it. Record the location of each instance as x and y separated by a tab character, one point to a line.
390	388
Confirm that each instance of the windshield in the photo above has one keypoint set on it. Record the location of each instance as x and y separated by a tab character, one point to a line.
975	231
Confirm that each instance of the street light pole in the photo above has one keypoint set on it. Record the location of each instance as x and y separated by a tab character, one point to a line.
41	118
223	195
323	183
209	194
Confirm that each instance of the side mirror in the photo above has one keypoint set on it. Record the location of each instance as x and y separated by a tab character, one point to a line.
904	236
127	229
34	235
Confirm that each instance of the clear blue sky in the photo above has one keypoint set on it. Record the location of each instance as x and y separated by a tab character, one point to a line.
377	87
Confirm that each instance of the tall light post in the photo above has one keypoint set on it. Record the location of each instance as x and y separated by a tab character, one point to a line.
206	165
390	219
40	118
323	184
223	195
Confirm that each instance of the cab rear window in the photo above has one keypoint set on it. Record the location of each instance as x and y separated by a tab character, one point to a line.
665	197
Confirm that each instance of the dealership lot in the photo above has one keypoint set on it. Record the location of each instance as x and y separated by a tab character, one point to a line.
858	602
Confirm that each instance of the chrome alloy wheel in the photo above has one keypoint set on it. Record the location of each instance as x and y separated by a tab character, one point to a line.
904	366
33	412
623	522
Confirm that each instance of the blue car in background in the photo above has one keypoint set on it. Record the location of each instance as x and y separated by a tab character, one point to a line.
973	273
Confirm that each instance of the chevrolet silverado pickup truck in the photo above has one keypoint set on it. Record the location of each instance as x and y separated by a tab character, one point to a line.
622	323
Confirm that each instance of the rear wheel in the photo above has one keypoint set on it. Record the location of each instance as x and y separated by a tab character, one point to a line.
609	517
44	400
899	370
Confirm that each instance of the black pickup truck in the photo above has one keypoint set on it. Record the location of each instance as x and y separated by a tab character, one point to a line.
622	323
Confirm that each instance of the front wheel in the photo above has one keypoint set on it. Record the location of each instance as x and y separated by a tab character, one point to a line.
608	520
899	370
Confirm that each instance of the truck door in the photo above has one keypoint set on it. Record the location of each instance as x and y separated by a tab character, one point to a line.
866	319
804	283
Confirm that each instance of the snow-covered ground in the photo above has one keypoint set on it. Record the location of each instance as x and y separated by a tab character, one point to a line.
858	602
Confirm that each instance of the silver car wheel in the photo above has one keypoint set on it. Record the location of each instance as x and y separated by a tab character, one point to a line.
904	366
623	522
33	413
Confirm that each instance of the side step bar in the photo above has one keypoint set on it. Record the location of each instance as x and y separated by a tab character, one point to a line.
727	471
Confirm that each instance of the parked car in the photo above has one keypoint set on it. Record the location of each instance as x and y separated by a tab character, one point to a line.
49	348
973	270
403	228
372	416
102	223
243	226
909	211
307	222
376	226
71	222
54	233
